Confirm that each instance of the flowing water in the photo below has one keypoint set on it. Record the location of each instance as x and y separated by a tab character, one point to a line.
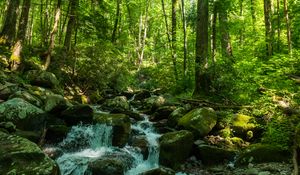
87	143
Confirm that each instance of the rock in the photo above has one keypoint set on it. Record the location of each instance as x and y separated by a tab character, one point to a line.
23	114
143	94
175	148
117	104
106	166
141	143
27	97
121	127
154	102
260	153
42	78
20	156
55	103
163	112
77	114
159	171
241	124
8	126
177	114
200	121
211	155
56	133
7	89
33	136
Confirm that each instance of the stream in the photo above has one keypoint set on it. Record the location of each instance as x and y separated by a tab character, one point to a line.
88	143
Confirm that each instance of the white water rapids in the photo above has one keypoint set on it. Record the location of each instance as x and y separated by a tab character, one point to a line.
87	143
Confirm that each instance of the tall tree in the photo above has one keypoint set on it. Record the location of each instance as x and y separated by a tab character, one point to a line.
224	29
174	44
71	24
113	37
253	15
8	32
268	27
288	27
201	86
184	43
52	35
214	16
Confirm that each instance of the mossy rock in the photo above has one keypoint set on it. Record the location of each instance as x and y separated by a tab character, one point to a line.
42	78
175	148
241	124
56	133
200	121
154	102
20	156
119	103
159	171
28	97
262	153
7	89
23	114
121	127
78	114
55	103
106	167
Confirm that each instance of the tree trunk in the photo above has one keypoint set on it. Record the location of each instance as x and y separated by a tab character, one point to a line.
52	35
174	44
113	37
21	35
201	86
268	27
184	44
214	33
71	24
143	39
166	20
8	32
253	16
242	27
288	27
224	29
278	26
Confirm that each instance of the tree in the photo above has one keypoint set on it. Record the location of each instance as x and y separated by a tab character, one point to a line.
288	27
113	37
268	27
8	32
21	35
174	44
71	24
184	44
201	86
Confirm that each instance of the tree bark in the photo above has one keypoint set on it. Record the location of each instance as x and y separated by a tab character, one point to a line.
174	44
113	37
278	25
184	44
8	32
268	27
71	24
253	15
214	33
52	35
288	27
21	35
201	86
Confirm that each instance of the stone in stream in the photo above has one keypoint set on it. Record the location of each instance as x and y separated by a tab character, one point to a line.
141	143
159	171
121	127
200	121
55	103
20	156
77	114
175	148
23	114
119	104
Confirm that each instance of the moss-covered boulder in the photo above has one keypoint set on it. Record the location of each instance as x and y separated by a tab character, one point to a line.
106	167
261	153
175	148
141	143
42	78
8	126
159	171
56	133
177	114
7	89
77	114
20	156
118	104
154	102
55	103
200	121
28	97
163	112
241	124
121	127
211	155
23	114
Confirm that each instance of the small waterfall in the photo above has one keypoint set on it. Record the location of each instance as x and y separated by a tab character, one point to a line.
86	143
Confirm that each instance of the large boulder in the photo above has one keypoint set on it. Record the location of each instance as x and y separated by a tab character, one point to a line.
163	112
121	126
154	102
23	114
28	97
42	78
261	153
55	103
7	89
175	148
201	121
159	171
141	143
211	155
106	166
241	124
77	114
20	156
177	114
118	104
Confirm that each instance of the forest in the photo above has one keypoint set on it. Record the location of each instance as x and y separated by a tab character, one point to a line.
150	87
